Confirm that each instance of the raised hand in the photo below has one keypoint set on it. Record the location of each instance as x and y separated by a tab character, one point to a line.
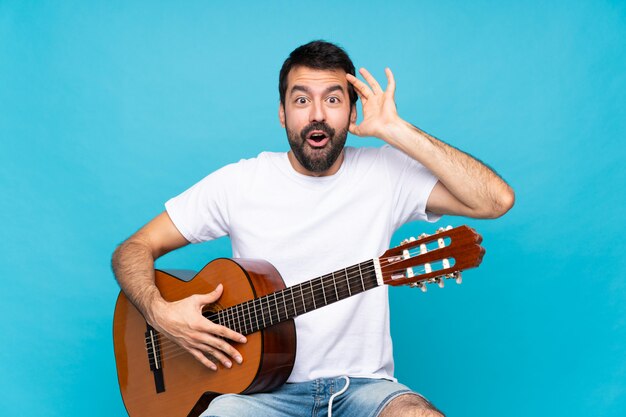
379	107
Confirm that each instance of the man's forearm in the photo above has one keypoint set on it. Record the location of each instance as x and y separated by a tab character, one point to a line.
133	265
470	181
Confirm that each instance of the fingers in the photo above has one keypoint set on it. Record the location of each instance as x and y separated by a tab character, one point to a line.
211	297
391	82
206	337
199	355
218	348
361	88
371	81
209	337
184	322
209	327
201	343
374	88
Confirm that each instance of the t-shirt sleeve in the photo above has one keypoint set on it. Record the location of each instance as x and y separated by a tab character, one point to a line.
412	184
201	213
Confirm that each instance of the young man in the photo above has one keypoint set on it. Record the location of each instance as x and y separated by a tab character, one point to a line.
313	210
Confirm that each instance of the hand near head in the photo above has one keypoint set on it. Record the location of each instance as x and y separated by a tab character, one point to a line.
379	107
183	322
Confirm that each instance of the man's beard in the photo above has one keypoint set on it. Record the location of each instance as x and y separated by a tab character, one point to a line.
317	159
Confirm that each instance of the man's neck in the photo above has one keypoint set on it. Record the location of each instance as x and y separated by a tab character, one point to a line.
297	166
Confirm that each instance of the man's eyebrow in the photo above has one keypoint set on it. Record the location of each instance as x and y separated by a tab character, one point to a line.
307	90
334	88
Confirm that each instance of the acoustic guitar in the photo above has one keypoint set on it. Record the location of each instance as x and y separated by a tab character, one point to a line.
158	378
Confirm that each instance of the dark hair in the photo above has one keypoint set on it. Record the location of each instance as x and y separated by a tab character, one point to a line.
319	55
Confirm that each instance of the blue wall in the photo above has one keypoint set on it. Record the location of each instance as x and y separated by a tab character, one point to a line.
107	109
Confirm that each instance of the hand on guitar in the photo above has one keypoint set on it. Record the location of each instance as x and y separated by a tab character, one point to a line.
182	321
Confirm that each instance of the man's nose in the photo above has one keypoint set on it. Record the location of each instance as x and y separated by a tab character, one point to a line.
317	113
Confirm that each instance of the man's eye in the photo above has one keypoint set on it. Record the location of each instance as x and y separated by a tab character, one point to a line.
301	100
333	100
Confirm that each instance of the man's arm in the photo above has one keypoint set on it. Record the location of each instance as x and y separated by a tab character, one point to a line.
466	187
181	321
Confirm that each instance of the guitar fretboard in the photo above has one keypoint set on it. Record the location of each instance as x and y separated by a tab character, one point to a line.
262	312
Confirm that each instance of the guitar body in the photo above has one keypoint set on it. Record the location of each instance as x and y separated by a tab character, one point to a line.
186	386
159	378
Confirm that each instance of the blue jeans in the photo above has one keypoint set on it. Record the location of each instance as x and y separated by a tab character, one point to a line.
363	397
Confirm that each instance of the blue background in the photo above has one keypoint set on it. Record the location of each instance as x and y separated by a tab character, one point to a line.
107	109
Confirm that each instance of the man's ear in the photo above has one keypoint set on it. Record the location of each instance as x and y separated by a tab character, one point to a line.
353	114
281	114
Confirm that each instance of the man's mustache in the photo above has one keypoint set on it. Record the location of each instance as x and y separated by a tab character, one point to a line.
330	132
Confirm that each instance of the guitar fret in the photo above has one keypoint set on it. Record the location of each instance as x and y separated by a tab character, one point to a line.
335	284
361	276
276	308
340	285
303	302
262	312
327	282
240	318
269	310
256	318
244	318
293	301
236	312
356	283
348	282
249	318
285	304
312	295
323	291
231	322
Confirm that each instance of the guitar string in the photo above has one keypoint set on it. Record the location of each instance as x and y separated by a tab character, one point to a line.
267	312
234	323
176	350
170	349
231	323
272	312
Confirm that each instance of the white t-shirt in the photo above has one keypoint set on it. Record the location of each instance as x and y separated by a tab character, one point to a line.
310	226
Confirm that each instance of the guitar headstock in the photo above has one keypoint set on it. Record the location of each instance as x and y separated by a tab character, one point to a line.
432	258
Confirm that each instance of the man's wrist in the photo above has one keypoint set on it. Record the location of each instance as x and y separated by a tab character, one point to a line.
153	304
403	135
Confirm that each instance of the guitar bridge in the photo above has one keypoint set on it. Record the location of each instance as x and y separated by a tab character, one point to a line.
154	358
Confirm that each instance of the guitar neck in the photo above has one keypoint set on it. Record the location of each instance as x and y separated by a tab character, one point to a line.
271	309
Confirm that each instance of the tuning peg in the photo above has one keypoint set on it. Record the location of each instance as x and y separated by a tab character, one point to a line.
440	282
444	229
459	278
423	235
419	285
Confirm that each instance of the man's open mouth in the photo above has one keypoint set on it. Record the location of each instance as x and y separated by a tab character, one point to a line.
317	138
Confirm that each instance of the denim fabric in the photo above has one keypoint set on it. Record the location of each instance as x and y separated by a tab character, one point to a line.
364	397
